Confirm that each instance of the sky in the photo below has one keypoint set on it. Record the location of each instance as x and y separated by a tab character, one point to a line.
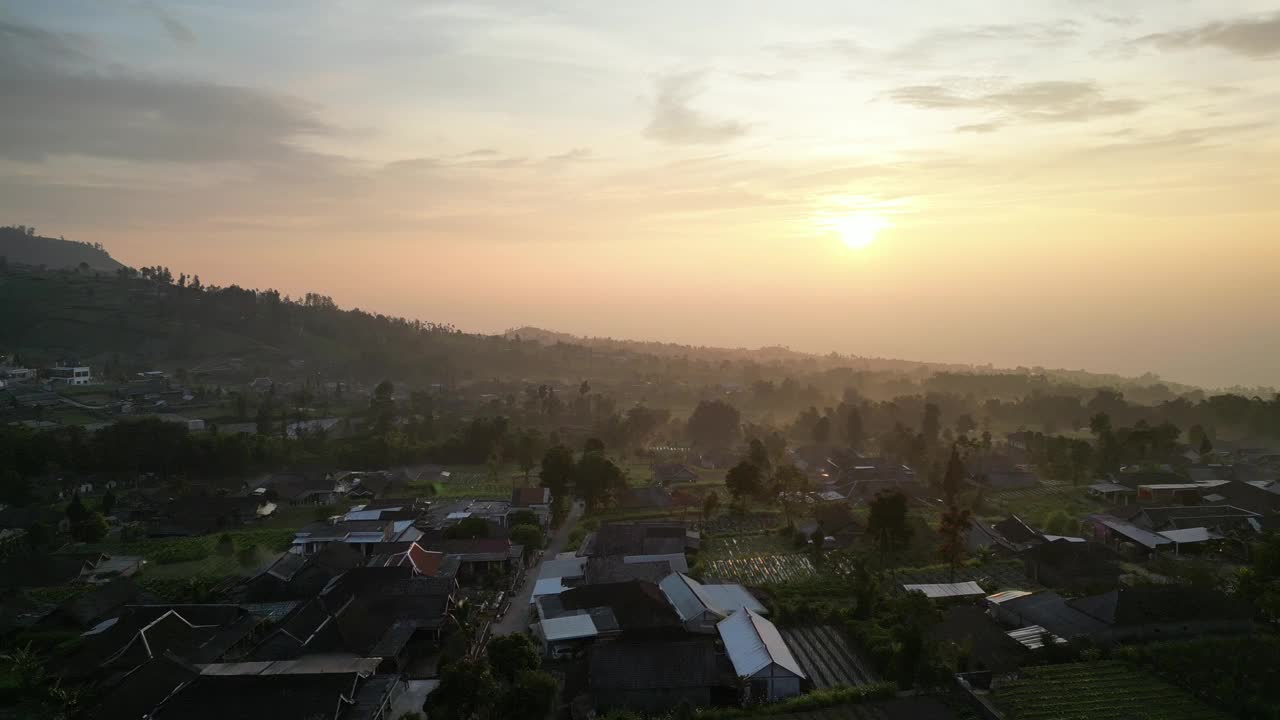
1058	183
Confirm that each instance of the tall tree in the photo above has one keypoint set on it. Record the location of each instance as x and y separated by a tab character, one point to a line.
932	423
512	654
714	424
954	477
853	431
528	448
744	480
466	691
887	521
758	455
789	484
954	528
557	470
709	505
822	430
596	478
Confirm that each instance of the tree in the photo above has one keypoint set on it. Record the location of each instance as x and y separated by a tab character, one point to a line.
965	424
226	545
522	517
108	503
596	478
466	691
932	423
709	505
90	529
248	556
789	485
468	529
530	536
593	445
1206	446
822	430
714	424
954	476
557	470
531	697
817	543
76	511
853	431
528	449
510	655
887	521
954	528
758	455
744	480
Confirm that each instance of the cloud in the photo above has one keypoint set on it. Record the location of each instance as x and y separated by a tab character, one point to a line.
1045	101
59	103
578	154
985	127
179	33
1044	35
1257	37
675	122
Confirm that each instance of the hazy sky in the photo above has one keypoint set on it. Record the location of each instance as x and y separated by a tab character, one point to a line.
1069	184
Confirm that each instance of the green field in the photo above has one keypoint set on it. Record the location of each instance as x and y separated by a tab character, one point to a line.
197	556
1097	691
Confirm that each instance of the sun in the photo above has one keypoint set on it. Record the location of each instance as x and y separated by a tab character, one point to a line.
859	231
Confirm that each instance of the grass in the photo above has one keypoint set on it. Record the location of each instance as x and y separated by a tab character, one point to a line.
196	556
1097	691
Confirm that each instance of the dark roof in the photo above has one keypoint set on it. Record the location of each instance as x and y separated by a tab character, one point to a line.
1016	531
526	496
637	605
836	518
1203	515
1082	559
261	697
477	549
968	626
667	472
142	689
614	568
91	608
194	633
644	497
638	539
1050	611
40	570
1159	604
1148	477
626	665
1249	497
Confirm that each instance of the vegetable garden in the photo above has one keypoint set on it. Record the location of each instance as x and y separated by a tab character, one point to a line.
825	656
1097	691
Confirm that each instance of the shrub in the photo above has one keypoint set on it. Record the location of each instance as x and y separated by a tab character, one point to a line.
226	546
248	556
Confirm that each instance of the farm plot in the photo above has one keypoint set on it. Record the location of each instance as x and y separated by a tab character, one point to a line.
826	657
759	568
993	577
1097	691
473	483
740	524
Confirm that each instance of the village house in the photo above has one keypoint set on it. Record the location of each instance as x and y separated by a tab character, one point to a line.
760	657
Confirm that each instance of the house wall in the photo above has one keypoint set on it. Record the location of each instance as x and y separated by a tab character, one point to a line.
776	682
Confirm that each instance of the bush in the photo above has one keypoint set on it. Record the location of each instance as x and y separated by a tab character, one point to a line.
226	546
248	556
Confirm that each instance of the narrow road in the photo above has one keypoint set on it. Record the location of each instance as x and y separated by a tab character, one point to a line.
517	618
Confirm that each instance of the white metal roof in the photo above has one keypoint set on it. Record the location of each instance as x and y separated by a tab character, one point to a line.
1131	531
1064	538
676	561
562	568
569	627
946	590
362	515
686	595
457	516
753	644
547	586
731	598
1191	535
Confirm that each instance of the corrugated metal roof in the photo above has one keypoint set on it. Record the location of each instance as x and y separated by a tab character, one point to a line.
1131	531
1033	636
548	586
753	644
1191	535
728	599
561	568
946	590
1064	538
1007	595
686	595
569	627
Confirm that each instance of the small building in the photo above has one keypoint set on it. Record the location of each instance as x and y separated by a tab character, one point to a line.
1113	493
656	676
760	657
947	591
76	375
674	473
701	607
532	499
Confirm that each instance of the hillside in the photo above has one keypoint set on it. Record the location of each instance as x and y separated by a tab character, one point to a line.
20	246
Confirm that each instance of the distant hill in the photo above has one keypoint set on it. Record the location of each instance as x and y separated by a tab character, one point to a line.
20	246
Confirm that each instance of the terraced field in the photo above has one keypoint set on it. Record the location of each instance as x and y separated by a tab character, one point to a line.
827	658
1097	691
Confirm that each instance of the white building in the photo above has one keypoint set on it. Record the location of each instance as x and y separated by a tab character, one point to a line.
70	375
701	607
760	657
